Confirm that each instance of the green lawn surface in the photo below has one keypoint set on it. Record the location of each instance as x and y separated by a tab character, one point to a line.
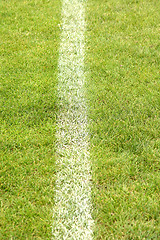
29	37
122	85
123	52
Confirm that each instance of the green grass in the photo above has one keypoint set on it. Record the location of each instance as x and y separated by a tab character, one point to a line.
29	51
122	61
122	64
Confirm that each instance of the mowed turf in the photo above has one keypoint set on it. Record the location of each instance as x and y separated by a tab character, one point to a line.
122	60
122	85
29	52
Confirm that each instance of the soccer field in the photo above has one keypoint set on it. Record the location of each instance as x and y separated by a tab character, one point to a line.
122	86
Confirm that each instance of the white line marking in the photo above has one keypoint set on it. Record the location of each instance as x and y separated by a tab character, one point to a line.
72	213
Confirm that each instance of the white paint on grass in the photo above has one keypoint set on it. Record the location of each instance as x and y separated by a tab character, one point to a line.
72	213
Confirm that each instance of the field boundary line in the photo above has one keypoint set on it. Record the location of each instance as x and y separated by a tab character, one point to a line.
72	217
